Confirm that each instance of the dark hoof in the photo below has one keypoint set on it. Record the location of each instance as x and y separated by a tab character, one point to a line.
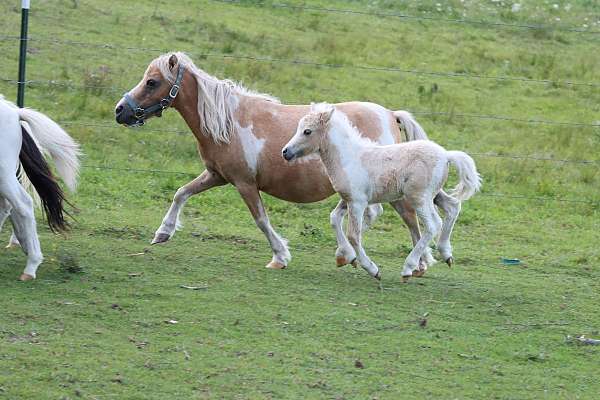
161	238
405	278
378	275
450	261
354	263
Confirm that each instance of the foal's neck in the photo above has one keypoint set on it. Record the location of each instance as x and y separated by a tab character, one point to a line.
340	145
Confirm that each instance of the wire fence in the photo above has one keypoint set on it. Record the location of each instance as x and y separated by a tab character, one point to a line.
117	90
394	69
493	24
491	195
301	62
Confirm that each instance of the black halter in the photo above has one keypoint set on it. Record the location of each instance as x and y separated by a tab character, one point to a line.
142	113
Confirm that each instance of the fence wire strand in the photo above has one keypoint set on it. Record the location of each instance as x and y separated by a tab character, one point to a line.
463	75
495	24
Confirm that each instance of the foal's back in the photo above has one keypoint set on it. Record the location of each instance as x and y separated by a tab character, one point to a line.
404	168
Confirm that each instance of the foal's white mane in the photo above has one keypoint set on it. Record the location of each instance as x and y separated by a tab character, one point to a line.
216	98
340	122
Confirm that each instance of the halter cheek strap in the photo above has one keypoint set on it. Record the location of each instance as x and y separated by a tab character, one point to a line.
156	109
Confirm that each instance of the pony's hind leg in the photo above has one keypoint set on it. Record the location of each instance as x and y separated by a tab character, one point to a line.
206	180
23	220
5	209
281	254
356	212
451	207
432	224
409	216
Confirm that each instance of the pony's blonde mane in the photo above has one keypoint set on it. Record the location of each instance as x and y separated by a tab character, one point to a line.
216	97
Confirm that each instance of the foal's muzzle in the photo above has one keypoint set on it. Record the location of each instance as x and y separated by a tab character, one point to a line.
287	154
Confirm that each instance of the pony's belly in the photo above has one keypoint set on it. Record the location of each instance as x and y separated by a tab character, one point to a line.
300	183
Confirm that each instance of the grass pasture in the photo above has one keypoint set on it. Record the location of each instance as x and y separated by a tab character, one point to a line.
108	317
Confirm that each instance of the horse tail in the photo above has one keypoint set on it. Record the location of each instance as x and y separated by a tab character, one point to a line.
469	180
50	138
40	176
411	127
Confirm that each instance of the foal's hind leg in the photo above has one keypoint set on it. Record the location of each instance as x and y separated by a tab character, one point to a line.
409	216
451	207
206	180
24	225
281	254
432	224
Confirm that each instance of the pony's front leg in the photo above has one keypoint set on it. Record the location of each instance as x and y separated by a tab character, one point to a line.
281	254
206	180
356	212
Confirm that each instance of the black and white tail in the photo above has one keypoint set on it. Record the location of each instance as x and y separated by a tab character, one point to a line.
411	127
469	180
42	135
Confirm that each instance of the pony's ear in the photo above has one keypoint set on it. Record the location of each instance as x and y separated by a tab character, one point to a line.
172	61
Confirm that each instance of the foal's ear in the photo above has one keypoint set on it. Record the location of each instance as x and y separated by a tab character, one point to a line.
172	61
326	115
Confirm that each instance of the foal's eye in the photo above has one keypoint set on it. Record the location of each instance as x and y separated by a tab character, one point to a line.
307	132
151	83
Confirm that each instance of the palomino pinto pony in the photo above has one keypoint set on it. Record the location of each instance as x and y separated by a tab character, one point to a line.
24	136
240	134
364	173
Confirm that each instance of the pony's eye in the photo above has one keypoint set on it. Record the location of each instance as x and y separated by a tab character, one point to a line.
307	132
151	83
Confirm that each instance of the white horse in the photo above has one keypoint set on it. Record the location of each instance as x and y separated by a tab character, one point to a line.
24	136
364	173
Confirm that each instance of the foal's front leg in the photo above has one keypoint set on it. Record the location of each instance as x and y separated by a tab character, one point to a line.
281	254
206	180
356	212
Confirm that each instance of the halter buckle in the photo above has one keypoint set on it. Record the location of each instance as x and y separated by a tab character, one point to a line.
173	92
139	113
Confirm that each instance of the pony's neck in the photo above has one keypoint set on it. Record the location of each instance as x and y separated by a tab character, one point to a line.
186	104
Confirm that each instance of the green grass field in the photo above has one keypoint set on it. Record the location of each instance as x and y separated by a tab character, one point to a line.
95	324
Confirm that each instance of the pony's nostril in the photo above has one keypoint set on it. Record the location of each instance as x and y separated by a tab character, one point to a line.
285	151
119	110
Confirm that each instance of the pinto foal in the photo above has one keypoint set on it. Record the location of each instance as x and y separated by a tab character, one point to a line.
364	173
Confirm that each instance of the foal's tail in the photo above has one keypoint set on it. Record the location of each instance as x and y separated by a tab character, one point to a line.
41	134
469	180
413	130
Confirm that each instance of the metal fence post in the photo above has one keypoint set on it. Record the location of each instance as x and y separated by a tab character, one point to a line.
23	52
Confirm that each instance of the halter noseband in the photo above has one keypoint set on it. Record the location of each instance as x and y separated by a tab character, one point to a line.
142	113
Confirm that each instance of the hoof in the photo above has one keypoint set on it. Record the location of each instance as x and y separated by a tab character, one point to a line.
354	263
450	261
405	278
161	238
340	261
26	277
377	275
275	265
417	273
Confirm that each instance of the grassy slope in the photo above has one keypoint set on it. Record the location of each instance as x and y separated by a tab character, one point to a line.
492	331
